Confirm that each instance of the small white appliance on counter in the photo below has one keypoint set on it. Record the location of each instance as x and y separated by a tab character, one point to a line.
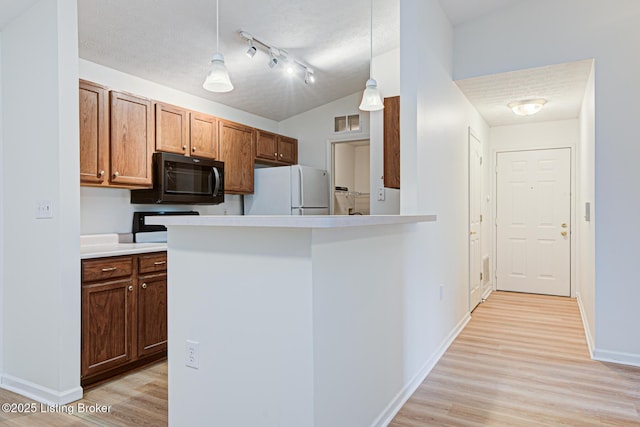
289	190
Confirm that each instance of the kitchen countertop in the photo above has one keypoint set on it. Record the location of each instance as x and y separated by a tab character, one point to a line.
282	221
106	245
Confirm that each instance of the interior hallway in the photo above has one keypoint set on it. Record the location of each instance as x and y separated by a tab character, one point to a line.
523	361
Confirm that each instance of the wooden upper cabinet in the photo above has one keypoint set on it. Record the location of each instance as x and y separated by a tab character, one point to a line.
94	133
392	142
266	145
204	135
235	142
276	149
131	140
171	129
287	150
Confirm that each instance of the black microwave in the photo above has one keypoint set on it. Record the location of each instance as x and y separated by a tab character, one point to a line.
179	179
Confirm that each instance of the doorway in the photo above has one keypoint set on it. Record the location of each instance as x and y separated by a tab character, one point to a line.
350	178
533	221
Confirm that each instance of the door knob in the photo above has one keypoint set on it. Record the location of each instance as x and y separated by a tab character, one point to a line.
564	234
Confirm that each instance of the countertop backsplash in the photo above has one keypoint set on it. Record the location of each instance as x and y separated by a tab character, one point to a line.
108	210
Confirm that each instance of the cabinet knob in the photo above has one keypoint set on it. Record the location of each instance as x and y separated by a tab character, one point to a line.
275	154
184	147
117	174
280	155
130	288
101	174
144	286
193	149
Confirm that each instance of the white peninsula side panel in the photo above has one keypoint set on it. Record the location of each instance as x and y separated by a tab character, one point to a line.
298	325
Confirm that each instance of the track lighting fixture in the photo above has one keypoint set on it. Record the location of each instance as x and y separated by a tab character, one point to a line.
278	56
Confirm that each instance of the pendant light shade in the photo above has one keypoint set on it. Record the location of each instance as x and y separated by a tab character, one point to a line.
371	100
218	77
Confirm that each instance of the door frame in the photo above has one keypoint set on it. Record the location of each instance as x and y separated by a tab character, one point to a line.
331	159
494	209
483	293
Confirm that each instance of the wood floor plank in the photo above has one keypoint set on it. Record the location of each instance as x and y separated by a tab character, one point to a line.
523	360
136	399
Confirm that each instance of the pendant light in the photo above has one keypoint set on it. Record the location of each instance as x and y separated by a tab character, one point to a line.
371	100
218	78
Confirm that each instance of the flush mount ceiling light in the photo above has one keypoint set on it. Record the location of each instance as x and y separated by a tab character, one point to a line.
278	56
218	78
371	100
527	107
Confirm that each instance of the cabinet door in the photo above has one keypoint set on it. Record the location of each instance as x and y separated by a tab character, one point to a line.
131	140
392	142
152	314
171	129
287	150
204	136
94	133
266	145
236	151
107	325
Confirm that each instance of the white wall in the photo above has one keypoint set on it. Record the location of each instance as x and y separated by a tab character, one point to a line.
607	32
344	170
362	169
41	274
1	214
585	236
108	210
435	117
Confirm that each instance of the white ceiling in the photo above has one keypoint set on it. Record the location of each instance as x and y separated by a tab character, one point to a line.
171	42
562	85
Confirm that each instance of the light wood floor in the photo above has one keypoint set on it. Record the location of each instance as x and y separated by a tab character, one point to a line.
137	399
523	361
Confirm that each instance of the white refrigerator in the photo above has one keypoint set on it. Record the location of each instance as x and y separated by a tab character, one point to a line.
288	190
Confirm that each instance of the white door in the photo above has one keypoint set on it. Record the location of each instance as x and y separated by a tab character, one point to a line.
533	206
475	221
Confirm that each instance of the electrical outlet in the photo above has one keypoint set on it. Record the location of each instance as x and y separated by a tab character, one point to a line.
192	355
381	194
44	209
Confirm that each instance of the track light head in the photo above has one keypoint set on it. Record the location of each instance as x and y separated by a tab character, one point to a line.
309	78
252	50
273	61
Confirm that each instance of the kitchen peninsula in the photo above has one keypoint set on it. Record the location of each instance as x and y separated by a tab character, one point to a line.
286	318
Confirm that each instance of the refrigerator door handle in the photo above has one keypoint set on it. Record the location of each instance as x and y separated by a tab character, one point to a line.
301	193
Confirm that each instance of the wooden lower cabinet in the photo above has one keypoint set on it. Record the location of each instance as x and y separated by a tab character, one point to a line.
124	314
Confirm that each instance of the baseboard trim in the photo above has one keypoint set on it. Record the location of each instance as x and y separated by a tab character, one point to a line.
585	325
403	395
39	393
487	293
616	357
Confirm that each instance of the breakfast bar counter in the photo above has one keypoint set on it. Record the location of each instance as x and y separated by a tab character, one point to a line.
287	316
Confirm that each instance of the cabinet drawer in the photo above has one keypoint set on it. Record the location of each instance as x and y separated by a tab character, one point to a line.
106	268
152	262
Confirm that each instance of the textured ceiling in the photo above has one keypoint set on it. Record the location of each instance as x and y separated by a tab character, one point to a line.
171	42
562	85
